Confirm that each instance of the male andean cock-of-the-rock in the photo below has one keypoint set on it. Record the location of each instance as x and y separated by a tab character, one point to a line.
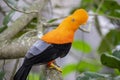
53	44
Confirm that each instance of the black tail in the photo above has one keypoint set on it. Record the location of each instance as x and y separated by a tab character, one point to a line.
22	73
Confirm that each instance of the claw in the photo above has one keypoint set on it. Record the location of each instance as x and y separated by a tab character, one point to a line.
52	65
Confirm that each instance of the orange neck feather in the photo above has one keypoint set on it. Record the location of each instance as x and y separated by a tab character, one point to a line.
58	36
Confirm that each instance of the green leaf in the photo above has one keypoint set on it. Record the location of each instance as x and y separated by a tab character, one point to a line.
111	11
109	41
82	78
96	75
93	76
2	75
105	9
81	67
2	28
31	25
81	46
117	72
69	68
8	17
110	61
52	20
116	53
19	34
88	66
33	76
89	4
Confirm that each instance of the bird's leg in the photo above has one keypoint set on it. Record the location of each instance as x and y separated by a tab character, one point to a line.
52	64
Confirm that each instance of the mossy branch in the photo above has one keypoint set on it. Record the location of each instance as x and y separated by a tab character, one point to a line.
53	74
17	48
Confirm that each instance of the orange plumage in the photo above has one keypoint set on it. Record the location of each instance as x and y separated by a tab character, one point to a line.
64	33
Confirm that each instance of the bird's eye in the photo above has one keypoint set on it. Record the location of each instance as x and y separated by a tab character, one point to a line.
73	20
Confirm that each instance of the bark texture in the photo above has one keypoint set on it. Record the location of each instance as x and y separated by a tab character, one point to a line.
14	49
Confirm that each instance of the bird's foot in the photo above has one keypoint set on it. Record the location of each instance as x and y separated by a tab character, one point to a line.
52	65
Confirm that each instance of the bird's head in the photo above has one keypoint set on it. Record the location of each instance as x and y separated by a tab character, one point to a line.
64	33
73	21
80	16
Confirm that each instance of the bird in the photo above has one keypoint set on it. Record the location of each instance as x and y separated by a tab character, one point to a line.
54	44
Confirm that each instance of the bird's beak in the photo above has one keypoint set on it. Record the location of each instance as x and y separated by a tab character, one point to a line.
84	24
83	29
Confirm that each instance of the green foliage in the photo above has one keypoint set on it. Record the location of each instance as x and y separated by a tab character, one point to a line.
52	20
2	75
96	76
19	34
81	46
89	4
93	76
81	67
32	24
8	17
6	20
29	26
116	53
113	60
92	65
106	7
2	28
113	10
69	68
109	41
110	61
33	76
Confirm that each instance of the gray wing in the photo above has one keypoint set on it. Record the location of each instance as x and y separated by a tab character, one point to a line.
37	48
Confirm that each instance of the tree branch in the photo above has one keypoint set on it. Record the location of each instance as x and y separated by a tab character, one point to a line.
100	5
17	26
17	48
26	12
104	15
53	74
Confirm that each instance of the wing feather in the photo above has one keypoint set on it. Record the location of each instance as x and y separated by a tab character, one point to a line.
37	48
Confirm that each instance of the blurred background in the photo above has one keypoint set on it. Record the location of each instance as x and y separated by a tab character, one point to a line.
95	55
